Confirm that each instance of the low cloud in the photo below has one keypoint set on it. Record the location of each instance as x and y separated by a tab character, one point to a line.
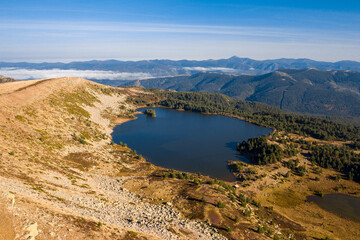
27	74
212	69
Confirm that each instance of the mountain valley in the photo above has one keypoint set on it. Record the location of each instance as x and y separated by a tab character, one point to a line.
309	91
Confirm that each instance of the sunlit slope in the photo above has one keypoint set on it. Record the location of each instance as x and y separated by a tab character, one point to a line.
60	176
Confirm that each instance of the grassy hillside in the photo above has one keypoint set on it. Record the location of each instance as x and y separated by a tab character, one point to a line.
61	176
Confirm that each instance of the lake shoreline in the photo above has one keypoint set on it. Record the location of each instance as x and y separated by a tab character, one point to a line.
342	205
209	142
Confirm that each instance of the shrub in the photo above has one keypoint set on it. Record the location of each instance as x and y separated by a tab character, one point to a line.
132	233
256	204
228	228
260	229
247	213
319	193
220	204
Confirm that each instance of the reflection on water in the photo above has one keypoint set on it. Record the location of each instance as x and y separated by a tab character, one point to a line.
188	141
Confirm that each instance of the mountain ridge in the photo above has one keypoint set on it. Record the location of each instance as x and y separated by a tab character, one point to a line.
165	67
310	91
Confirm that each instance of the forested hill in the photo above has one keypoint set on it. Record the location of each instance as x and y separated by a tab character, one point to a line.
309	91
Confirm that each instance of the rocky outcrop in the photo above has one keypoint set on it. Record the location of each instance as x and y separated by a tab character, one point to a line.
6	79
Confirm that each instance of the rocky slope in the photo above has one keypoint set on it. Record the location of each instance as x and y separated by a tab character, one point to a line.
60	176
4	79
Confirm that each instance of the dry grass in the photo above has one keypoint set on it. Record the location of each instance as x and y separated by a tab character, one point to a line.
82	160
39	120
7	230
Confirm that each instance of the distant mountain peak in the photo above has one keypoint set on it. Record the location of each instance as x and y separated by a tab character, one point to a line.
234	58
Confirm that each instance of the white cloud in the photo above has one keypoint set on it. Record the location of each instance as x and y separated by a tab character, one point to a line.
25	74
211	69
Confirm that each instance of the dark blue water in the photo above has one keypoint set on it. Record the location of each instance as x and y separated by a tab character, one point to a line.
340	204
188	141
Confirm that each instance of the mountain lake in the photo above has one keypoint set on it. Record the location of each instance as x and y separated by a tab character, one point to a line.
188	141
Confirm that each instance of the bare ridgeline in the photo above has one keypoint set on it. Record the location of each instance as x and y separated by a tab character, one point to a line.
61	178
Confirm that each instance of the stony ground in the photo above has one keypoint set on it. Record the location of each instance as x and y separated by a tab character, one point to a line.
59	176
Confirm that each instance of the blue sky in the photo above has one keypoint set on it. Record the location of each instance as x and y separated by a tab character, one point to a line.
65	30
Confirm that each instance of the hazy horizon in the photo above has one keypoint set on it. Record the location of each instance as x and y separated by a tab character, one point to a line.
163	59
